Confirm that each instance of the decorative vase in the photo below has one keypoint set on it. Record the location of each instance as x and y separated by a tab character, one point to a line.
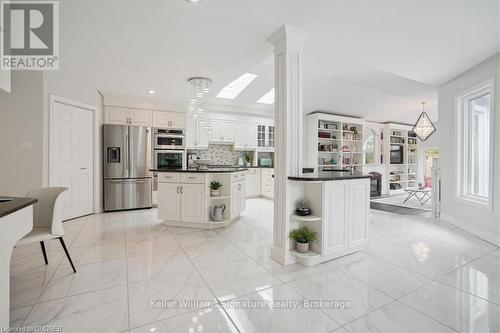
215	193
302	247
303	211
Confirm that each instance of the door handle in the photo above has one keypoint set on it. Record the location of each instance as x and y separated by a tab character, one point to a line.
181	189
178	189
83	168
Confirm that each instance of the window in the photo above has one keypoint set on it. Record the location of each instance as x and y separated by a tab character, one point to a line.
475	145
369	148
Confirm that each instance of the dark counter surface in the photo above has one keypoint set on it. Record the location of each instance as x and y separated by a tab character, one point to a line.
330	175
209	170
9	207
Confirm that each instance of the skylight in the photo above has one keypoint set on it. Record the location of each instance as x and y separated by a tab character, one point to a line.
267	98
232	90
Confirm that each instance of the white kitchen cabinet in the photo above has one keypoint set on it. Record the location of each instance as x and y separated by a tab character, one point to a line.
253	183
245	135
116	115
169	193
347	210
193	203
228	131
336	211
242	197
181	199
238	197
251	135
164	119
267	182
265	137
196	134
126	116
216	129
359	199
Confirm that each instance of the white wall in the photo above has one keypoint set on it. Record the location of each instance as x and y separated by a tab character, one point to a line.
481	222
56	84
21	122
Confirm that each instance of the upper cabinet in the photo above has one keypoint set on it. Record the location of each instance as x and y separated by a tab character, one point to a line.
265	136
196	133
245	135
169	119
126	116
222	130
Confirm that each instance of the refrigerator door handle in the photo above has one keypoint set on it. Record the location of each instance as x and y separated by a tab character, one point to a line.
126	157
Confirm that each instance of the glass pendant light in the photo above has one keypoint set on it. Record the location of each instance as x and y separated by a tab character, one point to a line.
424	127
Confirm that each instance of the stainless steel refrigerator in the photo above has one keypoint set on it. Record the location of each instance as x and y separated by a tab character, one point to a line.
127	179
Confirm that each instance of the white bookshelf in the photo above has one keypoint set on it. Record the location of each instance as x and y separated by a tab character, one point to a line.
408	173
326	134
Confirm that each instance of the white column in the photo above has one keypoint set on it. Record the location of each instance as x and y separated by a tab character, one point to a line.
287	42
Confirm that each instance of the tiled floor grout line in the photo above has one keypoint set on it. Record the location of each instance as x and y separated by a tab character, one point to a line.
52	276
206	283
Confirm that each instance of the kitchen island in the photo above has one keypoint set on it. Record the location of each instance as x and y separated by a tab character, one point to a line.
340	204
185	200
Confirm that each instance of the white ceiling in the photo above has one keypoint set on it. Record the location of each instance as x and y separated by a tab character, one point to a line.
373	59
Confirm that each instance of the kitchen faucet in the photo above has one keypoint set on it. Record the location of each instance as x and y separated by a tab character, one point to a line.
350	167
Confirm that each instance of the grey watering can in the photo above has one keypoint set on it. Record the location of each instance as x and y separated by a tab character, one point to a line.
216	212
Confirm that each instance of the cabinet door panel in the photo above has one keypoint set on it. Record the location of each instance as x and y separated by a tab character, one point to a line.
193	203
359	194
177	120
141	117
228	130
201	133
251	135
335	207
242	196
216	128
240	137
161	119
169	201
116	115
234	199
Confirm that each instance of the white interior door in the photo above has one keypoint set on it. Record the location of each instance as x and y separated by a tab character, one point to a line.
72	156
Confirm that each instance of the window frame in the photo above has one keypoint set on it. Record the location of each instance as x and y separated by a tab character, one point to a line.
462	103
374	134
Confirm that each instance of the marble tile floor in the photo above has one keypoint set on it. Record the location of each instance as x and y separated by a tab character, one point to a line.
137	275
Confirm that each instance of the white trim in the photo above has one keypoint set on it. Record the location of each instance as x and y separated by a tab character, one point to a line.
57	99
487	236
461	140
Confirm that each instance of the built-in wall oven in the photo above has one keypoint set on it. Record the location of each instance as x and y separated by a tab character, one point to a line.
169	159
168	138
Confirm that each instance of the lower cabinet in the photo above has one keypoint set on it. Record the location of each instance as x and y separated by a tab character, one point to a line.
253	182
182	202
347	211
267	183
238	197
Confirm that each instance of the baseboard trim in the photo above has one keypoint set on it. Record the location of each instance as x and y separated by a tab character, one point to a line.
487	236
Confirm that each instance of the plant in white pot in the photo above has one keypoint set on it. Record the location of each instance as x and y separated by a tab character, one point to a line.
215	188
303	237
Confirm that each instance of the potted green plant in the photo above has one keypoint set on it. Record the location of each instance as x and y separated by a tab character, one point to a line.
302	207
302	238
248	158
215	188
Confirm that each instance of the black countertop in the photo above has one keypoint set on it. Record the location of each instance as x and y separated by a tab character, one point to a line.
209	170
9	207
330	175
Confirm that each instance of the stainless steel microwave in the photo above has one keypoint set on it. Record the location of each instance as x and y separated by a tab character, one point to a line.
168	139
169	159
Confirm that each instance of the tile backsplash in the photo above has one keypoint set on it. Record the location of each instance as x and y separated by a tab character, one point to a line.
219	154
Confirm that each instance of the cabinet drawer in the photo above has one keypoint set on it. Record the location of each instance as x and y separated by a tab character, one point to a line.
237	176
195	178
169	177
268	171
251	171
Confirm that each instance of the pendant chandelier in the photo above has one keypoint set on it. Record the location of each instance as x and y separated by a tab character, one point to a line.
199	88
424	127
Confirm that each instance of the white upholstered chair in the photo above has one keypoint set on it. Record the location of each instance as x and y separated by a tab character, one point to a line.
47	219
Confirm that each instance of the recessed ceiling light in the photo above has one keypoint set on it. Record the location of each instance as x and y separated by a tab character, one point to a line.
194	2
232	90
267	98
151	91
